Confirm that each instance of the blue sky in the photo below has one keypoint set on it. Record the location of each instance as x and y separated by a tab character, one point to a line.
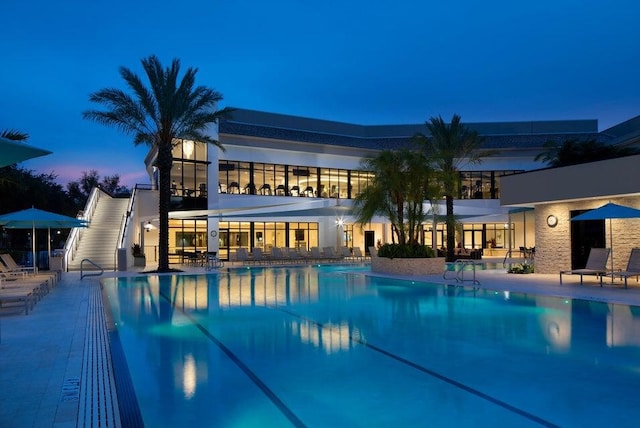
352	61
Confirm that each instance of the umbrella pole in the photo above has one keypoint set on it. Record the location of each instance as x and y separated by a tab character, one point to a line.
33	246
611	241
49	247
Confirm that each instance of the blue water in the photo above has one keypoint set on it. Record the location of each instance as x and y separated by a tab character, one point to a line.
315	346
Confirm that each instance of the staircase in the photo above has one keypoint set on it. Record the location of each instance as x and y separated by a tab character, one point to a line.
100	240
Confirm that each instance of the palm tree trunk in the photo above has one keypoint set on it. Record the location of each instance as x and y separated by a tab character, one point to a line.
451	230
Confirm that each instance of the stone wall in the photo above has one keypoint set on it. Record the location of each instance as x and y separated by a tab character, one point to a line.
553	244
423	266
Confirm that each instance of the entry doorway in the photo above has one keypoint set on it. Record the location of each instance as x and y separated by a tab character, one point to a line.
223	244
369	240
585	234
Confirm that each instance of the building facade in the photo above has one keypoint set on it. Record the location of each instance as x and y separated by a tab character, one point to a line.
287	181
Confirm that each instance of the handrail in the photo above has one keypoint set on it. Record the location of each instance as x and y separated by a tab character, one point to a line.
73	240
126	216
82	274
459	269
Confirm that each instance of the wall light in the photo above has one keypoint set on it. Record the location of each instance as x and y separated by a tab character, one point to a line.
552	221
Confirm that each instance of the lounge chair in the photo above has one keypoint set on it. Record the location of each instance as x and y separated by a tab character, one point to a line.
596	265
346	253
15	267
330	254
11	267
258	257
633	267
373	252
357	253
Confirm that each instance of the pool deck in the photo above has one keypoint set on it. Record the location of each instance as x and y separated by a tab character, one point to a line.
42	355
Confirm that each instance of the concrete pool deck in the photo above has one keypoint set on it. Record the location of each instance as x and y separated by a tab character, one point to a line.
42	354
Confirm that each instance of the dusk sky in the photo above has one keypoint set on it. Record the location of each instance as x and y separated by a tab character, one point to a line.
362	62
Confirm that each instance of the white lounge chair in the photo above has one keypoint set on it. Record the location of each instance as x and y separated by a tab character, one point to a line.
596	265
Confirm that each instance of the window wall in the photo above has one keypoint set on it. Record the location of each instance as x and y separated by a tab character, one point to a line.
186	236
189	170
254	178
266	236
290	180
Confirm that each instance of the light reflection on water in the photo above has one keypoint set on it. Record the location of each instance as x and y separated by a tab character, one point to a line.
348	350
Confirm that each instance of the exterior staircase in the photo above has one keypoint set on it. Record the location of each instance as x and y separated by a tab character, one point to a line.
99	241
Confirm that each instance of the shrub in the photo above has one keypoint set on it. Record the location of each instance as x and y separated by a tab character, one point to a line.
524	268
406	251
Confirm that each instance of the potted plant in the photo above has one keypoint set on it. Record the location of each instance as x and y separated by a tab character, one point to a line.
138	256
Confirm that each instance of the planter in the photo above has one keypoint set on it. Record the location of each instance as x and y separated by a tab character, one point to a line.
140	261
424	266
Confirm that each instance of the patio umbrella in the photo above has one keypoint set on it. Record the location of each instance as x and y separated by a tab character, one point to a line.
609	211
34	218
15	151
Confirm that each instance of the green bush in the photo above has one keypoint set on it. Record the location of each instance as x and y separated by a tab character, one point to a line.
524	268
397	251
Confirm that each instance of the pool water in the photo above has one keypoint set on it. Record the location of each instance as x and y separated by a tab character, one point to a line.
331	346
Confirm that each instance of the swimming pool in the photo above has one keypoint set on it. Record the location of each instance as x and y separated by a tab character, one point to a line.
316	346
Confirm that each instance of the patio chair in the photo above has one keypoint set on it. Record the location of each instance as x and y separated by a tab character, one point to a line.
596	265
633	267
330	254
357	253
242	255
15	267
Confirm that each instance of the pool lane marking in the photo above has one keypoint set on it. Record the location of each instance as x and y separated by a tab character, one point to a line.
233	357
433	373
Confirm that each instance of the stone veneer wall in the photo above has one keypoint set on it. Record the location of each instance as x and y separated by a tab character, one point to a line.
424	266
553	244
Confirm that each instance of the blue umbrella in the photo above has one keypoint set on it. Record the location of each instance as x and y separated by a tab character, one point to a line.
34	218
12	151
609	211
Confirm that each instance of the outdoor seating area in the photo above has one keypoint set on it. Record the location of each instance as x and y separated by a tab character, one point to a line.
284	256
23	286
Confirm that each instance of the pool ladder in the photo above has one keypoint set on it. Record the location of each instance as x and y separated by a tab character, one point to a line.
459	270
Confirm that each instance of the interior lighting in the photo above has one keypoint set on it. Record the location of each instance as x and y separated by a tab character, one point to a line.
187	148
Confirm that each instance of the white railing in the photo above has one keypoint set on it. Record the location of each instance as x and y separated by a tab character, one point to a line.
73	241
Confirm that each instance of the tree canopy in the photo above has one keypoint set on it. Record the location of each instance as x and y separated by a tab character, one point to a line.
573	152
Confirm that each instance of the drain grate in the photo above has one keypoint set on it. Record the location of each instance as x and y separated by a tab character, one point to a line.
70	390
98	401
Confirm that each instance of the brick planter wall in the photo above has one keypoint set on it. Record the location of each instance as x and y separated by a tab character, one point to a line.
424	266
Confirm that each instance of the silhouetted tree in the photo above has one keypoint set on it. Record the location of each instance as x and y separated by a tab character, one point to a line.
80	190
157	116
573	152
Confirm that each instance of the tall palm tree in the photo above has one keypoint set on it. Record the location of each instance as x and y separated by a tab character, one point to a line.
448	146
157	116
400	185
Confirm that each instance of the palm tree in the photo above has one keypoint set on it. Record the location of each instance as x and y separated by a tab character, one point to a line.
449	146
400	185
573	152
157	116
12	134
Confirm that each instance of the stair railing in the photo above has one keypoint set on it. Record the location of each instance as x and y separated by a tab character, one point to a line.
71	246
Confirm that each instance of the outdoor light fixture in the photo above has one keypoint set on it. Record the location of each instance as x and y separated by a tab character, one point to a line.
148	226
552	221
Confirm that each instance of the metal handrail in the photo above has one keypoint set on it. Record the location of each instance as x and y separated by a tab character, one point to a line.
459	269
82	274
73	240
